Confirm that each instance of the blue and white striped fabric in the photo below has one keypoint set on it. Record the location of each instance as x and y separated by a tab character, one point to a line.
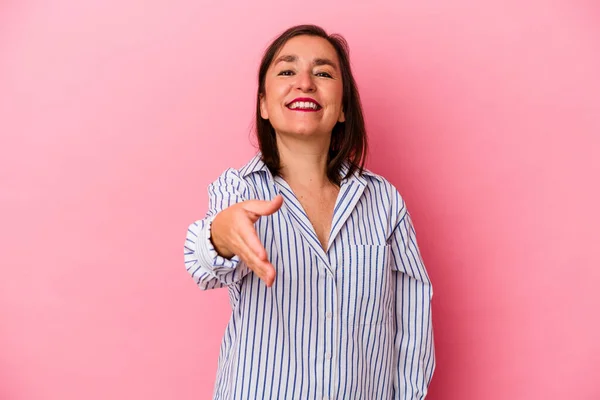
352	322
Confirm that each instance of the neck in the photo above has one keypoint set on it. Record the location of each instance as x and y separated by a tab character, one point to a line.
304	163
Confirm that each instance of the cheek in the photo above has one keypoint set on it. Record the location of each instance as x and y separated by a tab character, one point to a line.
336	97
275	92
275	95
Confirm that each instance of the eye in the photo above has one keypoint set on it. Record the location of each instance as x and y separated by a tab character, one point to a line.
286	72
323	74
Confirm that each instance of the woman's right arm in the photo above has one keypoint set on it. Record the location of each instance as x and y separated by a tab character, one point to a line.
223	247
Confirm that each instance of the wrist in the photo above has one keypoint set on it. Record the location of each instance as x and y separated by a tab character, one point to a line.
218	244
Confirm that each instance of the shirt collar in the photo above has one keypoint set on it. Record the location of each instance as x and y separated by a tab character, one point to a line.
256	164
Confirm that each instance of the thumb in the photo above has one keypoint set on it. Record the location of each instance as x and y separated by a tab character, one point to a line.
264	207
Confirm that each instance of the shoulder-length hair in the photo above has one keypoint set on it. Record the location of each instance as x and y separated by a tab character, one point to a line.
348	139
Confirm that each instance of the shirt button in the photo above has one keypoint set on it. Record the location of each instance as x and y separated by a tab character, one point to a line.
328	356
328	315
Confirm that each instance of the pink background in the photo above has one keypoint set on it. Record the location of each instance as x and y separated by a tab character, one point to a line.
115	116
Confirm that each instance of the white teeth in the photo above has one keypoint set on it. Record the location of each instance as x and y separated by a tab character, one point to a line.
303	105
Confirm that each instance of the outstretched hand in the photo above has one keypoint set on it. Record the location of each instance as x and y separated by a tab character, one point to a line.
233	233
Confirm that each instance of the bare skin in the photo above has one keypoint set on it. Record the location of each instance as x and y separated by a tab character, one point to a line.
233	233
318	203
305	68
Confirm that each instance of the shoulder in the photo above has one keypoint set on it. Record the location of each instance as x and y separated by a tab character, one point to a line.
255	164
386	190
244	179
381	183
230	176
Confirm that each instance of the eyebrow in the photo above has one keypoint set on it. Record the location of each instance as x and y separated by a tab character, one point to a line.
317	61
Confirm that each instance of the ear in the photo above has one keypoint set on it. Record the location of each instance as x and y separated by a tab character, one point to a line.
342	117
263	107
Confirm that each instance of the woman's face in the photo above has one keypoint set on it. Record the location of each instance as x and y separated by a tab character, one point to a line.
303	88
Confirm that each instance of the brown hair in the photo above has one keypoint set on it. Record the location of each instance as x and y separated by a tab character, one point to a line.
348	139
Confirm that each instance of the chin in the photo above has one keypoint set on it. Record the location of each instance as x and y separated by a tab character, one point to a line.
304	131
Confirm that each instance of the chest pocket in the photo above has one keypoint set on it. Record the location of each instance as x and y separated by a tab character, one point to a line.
365	284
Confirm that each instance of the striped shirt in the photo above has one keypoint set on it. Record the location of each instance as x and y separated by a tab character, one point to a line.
349	322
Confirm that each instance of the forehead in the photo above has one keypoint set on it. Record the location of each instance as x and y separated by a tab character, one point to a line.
308	48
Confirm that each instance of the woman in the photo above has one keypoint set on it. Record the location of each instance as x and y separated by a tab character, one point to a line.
329	294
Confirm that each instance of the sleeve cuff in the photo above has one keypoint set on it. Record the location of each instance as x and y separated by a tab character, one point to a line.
207	253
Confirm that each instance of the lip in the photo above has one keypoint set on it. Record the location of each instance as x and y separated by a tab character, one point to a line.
306	99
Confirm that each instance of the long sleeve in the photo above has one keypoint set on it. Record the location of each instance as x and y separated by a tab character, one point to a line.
413	342
204	264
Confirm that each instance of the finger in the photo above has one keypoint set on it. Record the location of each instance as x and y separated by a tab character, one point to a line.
253	262
250	257
249	237
269	277
255	254
264	207
263	269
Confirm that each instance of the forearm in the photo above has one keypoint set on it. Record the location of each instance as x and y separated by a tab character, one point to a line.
214	266
207	267
414	342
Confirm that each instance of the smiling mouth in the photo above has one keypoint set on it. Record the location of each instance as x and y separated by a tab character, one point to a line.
304	105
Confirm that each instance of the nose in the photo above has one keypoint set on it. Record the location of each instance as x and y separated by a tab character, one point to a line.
305	82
